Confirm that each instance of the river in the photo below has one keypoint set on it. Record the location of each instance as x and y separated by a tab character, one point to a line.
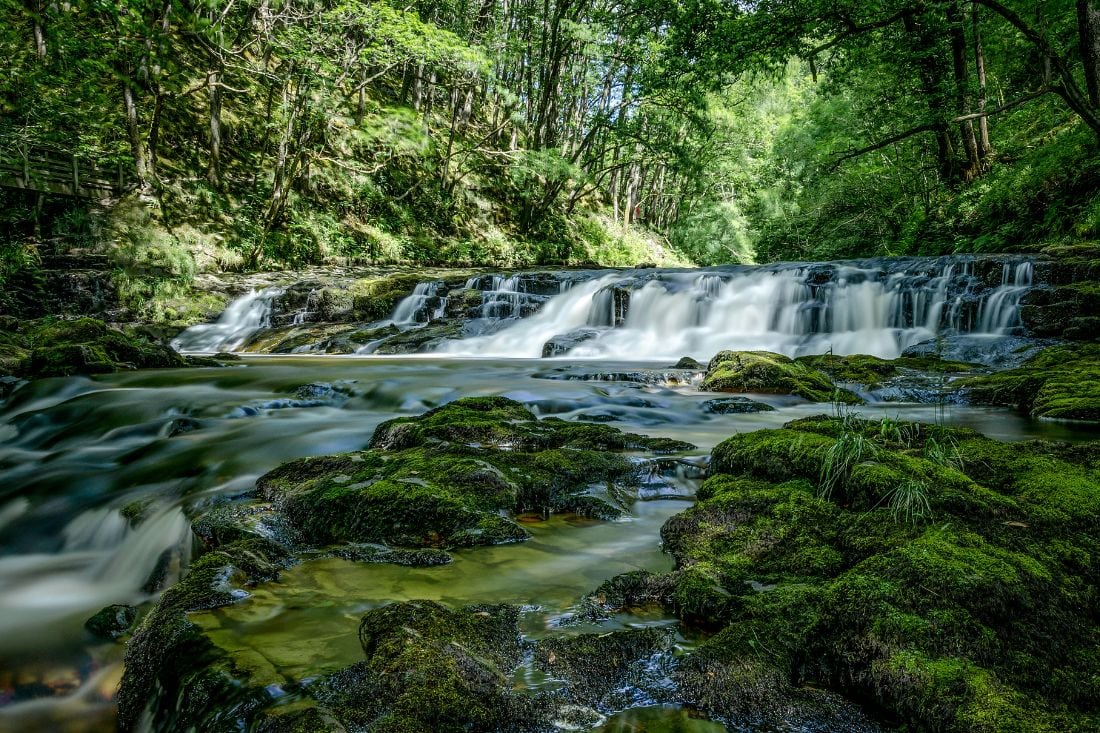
76	452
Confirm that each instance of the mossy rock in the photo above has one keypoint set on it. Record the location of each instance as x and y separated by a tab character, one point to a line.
871	371
112	622
595	666
53	347
1060	383
432	668
767	373
451	477
976	613
174	670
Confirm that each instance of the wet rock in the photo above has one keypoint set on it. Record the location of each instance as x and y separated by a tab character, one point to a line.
429	667
1062	382
172	669
566	342
767	373
999	352
606	670
112	621
421	339
734	405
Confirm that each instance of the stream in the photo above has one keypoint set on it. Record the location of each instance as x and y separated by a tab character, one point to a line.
75	452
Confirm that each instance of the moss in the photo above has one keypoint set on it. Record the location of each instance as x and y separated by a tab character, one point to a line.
170	657
981	619
439	669
112	621
764	372
450	477
871	371
1061	382
596	665
51	347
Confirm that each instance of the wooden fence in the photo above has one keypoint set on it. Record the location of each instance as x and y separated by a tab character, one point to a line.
53	172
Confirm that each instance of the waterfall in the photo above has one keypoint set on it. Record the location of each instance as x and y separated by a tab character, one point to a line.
878	307
1000	313
843	308
422	306
101	560
242	318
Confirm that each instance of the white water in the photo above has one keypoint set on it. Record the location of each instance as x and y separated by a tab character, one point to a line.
418	307
101	561
243	318
843	308
1001	311
676	314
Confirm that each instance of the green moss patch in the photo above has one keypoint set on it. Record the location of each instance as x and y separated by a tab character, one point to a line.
871	371
1062	382
768	373
974	612
56	348
452	477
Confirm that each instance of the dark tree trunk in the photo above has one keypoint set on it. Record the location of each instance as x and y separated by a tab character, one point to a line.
1088	26
985	147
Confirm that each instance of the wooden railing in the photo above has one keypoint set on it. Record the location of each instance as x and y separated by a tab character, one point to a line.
53	172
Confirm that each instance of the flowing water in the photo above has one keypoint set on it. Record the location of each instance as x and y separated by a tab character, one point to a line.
74	452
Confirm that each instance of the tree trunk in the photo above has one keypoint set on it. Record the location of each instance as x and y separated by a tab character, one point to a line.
985	147
133	130
962	91
1088	27
37	8
214	170
932	78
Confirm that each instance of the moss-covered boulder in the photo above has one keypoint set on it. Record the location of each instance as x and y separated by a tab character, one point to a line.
945	578
1062	383
173	671
767	373
433	668
600	669
453	476
53	347
871	371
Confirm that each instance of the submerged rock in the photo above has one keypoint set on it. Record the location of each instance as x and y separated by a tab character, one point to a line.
112	621
767	373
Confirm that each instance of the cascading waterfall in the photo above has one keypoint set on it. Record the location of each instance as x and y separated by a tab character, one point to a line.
844	308
241	320
878	307
422	306
1001	311
102	560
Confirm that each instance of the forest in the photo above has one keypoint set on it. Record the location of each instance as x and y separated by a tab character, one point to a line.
550	366
241	133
